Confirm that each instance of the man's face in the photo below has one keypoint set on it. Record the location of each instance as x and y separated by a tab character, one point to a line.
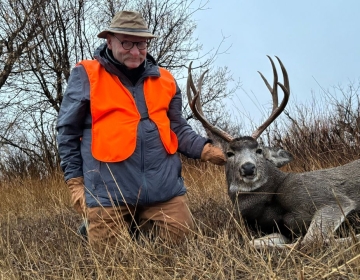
130	58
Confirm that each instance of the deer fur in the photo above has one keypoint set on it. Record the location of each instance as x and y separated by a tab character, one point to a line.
313	204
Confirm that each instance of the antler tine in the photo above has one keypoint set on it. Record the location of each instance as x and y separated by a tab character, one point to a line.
199	87
273	89
195	105
286	78
190	87
277	110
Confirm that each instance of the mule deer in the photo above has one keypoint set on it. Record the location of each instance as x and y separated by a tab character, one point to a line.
312	203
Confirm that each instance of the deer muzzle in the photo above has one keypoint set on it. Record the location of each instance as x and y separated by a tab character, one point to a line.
248	170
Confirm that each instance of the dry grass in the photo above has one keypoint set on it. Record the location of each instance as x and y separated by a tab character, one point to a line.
38	228
39	241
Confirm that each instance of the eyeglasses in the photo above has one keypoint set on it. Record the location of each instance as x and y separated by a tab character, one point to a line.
128	45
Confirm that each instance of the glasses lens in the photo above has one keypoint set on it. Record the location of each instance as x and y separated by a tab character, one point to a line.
127	45
142	45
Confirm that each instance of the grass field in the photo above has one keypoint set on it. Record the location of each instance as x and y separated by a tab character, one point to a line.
39	241
38	227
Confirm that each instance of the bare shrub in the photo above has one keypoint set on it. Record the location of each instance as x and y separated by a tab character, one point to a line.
326	134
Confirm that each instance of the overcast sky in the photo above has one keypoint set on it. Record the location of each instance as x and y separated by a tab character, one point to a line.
317	40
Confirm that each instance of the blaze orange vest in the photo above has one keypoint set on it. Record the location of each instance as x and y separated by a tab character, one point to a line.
115	116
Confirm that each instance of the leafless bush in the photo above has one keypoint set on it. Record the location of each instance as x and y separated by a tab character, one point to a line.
323	135
41	41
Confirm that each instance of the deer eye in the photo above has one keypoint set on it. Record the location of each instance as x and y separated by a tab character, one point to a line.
259	151
229	154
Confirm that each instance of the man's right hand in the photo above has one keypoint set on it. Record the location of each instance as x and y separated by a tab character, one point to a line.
77	190
213	154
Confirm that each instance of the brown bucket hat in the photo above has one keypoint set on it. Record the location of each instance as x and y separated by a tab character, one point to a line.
129	23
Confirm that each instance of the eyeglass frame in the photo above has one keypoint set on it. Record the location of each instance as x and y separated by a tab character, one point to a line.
133	44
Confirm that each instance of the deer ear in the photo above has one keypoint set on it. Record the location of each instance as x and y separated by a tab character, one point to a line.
279	157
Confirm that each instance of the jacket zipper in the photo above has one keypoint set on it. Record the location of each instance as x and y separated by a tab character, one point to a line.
143	188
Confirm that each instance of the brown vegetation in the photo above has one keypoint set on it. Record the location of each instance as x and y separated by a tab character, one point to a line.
39	241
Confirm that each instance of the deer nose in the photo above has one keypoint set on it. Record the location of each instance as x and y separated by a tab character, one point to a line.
247	169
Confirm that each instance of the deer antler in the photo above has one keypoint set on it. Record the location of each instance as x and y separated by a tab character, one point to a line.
276	110
195	105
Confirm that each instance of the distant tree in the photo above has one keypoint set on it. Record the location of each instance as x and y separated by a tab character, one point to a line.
18	27
41	41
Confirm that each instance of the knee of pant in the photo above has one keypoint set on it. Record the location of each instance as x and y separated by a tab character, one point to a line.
172	233
105	225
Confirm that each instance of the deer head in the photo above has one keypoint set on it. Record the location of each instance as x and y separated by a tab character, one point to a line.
247	167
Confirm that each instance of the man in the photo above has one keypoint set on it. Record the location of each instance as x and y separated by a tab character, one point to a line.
119	128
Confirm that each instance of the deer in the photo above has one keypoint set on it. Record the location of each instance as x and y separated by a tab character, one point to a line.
307	207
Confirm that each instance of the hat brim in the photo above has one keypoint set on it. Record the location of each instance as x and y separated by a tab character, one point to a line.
138	34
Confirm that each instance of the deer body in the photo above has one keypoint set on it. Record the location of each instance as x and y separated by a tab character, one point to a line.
292	203
313	204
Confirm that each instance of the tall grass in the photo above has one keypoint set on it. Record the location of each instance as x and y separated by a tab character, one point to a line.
38	238
39	241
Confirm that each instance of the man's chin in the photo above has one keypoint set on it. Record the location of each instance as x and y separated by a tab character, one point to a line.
132	64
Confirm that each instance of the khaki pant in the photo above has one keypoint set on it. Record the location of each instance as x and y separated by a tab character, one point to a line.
170	220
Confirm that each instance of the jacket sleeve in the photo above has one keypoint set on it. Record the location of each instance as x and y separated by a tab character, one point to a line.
74	109
191	144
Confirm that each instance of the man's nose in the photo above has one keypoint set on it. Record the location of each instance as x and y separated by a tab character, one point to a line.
134	50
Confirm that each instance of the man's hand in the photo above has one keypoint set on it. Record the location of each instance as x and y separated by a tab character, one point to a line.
77	190
213	154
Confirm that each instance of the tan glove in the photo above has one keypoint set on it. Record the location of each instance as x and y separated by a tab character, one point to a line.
213	154
77	190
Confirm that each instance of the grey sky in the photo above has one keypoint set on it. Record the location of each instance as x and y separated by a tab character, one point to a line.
317	40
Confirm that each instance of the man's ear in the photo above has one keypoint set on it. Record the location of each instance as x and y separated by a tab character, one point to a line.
278	156
108	40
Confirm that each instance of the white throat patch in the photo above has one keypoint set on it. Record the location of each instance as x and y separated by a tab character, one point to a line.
247	186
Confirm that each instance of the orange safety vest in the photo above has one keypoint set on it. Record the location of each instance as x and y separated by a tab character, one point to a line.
115	116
